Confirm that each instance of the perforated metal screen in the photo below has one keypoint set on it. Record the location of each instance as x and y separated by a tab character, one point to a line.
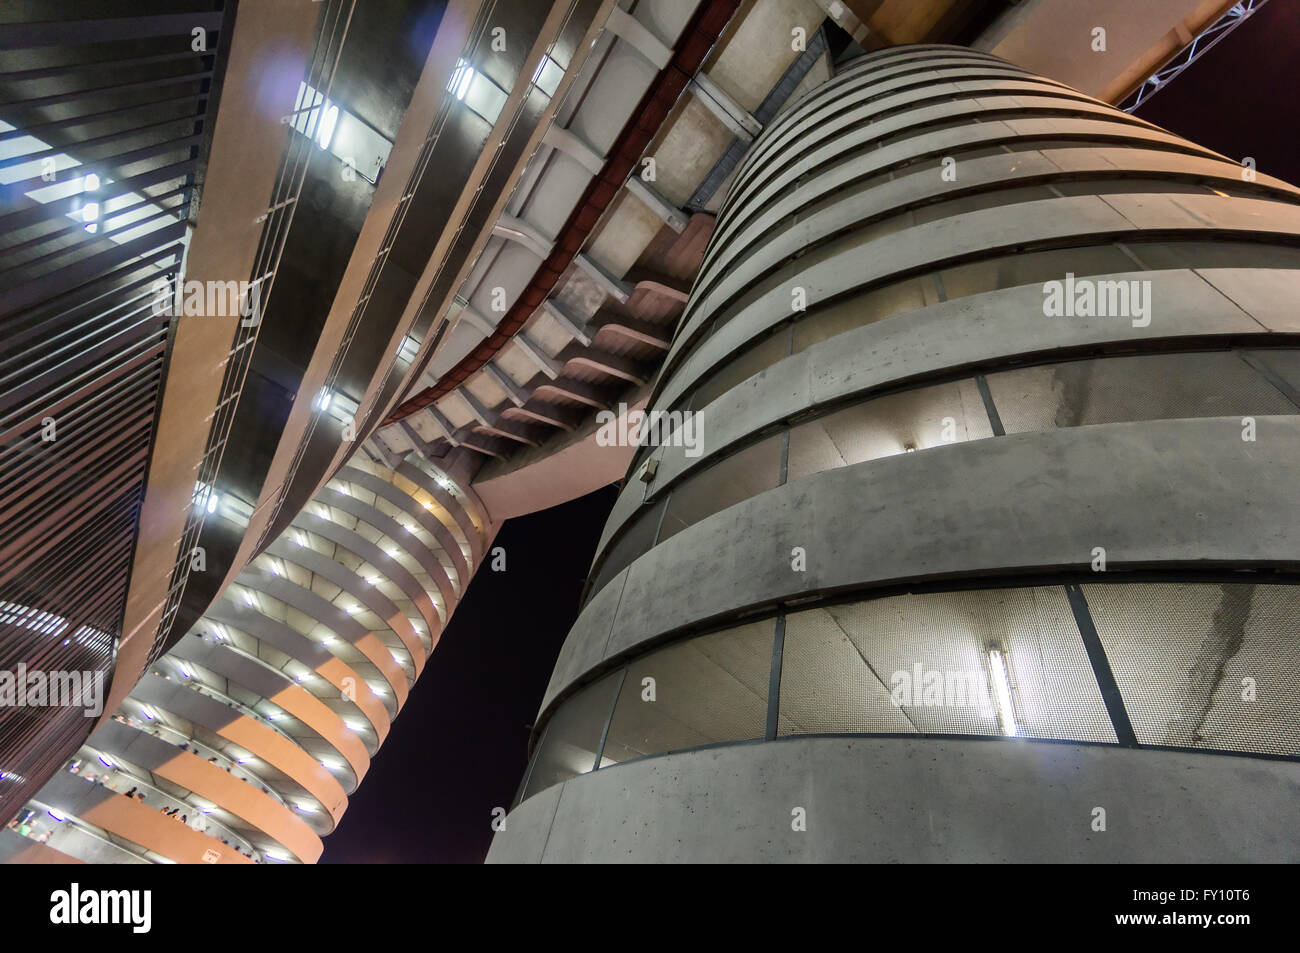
1205	666
925	663
1198	665
698	692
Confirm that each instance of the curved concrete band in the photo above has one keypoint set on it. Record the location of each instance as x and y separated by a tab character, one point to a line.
1023	503
882	800
985	331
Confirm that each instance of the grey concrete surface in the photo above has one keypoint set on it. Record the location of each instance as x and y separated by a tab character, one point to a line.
997	328
1186	494
892	800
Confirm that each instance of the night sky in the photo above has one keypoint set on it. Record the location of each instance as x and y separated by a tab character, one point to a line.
458	748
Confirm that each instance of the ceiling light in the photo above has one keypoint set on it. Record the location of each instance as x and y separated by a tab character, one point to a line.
1002	691
327	124
461	77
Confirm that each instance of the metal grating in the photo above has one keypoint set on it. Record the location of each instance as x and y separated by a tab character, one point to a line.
1205	666
922	663
101	153
701	691
1142	387
573	736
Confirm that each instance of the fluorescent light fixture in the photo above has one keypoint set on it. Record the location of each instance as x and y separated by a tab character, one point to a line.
342	134
547	76
306	808
205	497
108	762
248	598
1002	691
128	210
461	77
327	125
55	813
323	399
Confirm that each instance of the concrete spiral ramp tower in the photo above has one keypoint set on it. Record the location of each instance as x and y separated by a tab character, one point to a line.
988	549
